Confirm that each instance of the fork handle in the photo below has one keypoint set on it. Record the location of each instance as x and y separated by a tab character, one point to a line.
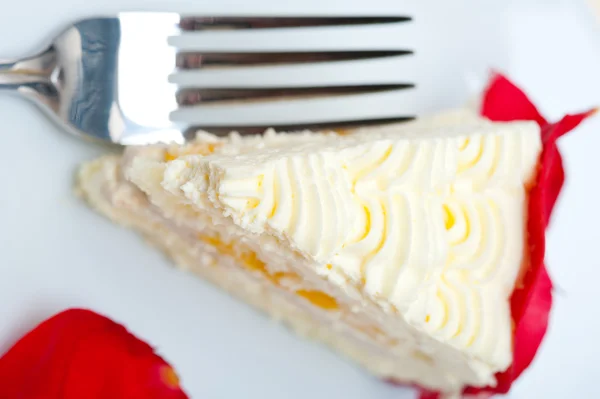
31	73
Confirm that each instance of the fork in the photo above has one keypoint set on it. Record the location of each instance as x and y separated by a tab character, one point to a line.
129	79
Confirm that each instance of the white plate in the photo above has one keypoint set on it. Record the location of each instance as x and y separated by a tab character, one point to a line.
56	253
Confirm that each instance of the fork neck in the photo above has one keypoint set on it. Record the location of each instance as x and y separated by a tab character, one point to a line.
32	73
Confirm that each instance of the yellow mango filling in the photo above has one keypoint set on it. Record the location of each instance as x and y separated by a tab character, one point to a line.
193	149
250	261
319	298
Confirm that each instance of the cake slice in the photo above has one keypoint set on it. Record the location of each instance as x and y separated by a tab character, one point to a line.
398	246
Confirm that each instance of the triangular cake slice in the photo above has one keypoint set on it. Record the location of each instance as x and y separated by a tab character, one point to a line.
398	246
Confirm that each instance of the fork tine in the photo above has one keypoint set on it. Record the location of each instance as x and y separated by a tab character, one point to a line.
303	111
235	23
209	107
195	96
196	60
339	127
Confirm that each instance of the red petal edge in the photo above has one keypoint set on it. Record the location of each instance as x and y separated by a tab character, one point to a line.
531	300
81	354
505	102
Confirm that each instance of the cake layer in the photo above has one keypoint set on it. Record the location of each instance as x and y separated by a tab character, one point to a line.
403	243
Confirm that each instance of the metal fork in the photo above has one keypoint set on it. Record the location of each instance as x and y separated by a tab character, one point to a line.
133	79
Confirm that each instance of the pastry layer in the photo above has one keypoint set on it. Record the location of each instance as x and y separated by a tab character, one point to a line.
402	243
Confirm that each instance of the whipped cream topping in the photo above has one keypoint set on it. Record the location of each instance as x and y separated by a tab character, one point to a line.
428	223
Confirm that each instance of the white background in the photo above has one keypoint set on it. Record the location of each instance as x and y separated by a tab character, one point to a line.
55	253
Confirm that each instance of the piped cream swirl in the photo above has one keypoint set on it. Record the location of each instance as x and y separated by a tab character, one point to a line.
430	225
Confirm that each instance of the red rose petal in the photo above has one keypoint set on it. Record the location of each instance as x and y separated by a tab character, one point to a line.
532	299
565	125
426	394
533	323
553	174
80	354
505	102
